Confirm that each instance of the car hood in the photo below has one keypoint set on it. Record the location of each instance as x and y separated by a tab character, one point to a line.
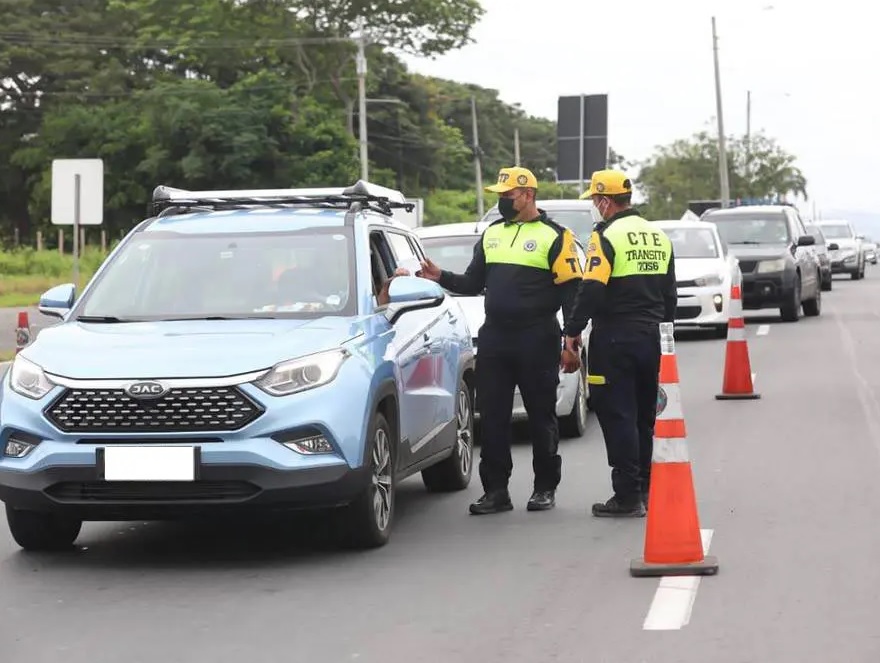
845	244
192	348
755	251
687	269
475	312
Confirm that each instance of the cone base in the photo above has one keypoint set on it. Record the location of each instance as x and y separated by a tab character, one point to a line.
737	397
639	568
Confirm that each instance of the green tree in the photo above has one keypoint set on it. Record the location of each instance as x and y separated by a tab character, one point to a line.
687	169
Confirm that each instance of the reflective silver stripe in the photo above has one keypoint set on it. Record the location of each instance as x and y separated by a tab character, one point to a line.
670	450
736	334
673	409
736	308
171	383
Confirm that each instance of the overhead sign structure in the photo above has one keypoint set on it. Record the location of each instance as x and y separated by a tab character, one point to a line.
581	137
77	198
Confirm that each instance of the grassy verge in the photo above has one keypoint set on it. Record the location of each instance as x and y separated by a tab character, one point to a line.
25	274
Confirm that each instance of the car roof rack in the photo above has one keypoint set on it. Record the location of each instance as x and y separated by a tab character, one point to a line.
167	201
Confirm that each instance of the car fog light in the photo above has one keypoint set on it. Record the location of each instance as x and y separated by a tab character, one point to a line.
317	444
17	448
718	300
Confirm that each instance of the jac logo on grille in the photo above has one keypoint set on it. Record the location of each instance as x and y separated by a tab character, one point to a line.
145	390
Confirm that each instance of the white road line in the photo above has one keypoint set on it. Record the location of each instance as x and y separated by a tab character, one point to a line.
671	608
763	330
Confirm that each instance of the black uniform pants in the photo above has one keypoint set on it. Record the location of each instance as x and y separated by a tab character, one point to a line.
626	405
527	358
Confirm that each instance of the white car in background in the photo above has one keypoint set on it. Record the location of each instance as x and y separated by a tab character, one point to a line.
845	247
704	273
451	246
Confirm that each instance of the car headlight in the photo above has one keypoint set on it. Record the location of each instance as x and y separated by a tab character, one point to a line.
28	379
296	375
709	279
771	266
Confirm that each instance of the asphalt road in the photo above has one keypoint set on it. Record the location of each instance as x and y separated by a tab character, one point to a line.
786	484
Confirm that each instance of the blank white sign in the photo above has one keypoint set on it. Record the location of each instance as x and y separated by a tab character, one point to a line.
149	463
91	191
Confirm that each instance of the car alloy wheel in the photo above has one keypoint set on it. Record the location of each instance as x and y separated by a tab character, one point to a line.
464	434
382	480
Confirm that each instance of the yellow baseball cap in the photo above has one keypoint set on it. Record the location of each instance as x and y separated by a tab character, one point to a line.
513	178
608	183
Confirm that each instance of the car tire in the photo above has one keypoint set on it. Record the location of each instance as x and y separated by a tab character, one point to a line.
574	424
38	531
368	519
454	472
813	307
827	283
791	310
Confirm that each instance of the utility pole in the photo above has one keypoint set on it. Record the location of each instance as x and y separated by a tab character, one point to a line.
516	146
477	165
362	100
722	149
749	141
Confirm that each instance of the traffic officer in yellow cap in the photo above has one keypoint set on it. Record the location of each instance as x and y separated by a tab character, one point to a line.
529	267
627	291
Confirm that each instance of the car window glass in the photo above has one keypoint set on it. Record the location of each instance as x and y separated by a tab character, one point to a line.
452	253
227	275
837	231
751	228
693	242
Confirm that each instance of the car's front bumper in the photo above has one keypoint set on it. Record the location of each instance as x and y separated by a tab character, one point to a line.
77	491
255	466
702	306
844	265
766	290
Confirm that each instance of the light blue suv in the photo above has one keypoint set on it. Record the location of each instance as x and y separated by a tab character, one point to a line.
241	350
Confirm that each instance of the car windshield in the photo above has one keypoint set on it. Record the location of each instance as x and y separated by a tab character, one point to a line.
750	228
452	253
692	242
837	231
168	275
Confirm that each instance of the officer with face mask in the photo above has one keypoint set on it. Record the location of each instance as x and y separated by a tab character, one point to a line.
529	267
627	291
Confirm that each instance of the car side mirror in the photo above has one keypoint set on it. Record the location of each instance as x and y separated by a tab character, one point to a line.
411	293
57	301
806	240
833	246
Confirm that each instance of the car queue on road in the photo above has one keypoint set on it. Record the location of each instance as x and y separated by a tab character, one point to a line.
257	350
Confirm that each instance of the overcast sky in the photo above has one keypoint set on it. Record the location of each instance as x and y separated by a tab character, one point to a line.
811	68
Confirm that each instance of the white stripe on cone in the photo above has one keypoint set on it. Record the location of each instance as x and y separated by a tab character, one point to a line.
670	450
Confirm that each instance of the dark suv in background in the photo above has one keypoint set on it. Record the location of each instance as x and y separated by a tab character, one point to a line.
778	269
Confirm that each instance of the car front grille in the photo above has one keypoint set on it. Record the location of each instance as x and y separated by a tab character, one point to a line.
147	491
191	409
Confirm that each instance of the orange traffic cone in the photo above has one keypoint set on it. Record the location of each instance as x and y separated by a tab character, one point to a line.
673	546
737	367
22	332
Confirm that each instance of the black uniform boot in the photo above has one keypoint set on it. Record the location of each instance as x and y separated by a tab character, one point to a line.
494	501
615	508
542	500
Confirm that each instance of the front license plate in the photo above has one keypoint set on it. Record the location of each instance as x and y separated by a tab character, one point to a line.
146	463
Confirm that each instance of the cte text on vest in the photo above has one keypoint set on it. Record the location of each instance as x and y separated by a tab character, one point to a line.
647	259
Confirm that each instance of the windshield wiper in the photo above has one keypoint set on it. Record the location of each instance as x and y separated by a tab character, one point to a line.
219	317
102	318
750	242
